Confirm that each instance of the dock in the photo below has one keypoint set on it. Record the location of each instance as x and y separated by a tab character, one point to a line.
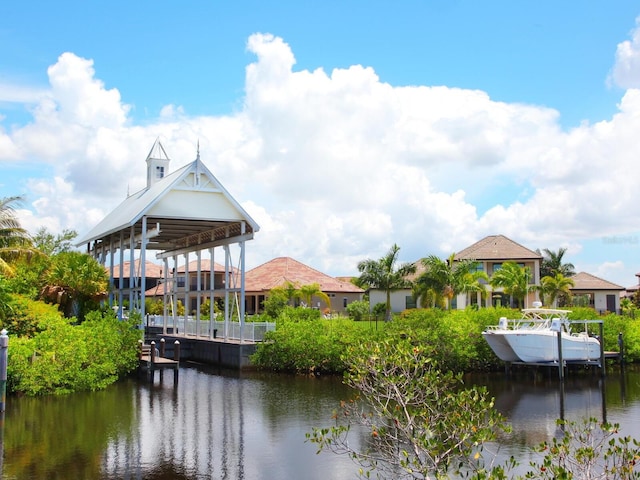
151	359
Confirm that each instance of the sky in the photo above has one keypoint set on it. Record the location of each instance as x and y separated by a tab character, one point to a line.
341	127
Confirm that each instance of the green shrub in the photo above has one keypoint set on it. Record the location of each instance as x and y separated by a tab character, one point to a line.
64	358
358	310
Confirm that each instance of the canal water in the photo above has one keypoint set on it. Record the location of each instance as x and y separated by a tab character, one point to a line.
214	424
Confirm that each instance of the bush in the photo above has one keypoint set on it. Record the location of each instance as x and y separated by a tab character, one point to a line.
358	310
64	358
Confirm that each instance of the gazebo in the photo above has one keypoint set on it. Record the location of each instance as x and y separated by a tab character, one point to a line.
177	215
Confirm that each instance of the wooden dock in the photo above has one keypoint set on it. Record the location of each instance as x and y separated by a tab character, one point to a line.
150	359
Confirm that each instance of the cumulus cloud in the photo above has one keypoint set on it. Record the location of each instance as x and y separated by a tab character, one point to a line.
626	70
337	165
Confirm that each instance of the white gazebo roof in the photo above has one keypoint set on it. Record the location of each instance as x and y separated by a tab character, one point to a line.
188	209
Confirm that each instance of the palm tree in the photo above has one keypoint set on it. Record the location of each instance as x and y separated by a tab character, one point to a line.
313	290
514	280
77	282
554	287
444	279
14	240
552	264
383	275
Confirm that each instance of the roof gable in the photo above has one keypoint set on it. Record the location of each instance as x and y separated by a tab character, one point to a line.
279	271
190	193
497	247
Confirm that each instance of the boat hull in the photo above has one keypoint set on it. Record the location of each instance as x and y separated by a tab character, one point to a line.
500	346
543	346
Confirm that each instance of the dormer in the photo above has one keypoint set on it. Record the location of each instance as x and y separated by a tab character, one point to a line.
157	164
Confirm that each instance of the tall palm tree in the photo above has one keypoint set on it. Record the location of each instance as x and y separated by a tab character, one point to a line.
514	280
444	279
14	240
554	287
383	275
552	264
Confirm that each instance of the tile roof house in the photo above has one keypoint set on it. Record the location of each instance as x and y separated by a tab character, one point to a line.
277	272
591	291
490	252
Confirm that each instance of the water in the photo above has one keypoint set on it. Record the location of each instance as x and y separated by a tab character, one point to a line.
215	424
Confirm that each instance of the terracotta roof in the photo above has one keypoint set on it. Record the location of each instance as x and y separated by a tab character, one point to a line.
497	247
152	270
279	271
586	281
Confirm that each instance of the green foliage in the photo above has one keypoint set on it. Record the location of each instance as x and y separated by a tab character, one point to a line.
419	421
77	282
358	310
383	274
304	342
588	450
514	280
64	358
51	244
276	302
28	317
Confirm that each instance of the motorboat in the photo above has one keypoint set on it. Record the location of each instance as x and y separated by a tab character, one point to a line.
532	319
534	338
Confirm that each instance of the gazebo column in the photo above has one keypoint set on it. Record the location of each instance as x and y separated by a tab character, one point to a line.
111	271
132	269
165	278
212	286
198	289
143	272
187	286
226	292
241	273
174	296
121	279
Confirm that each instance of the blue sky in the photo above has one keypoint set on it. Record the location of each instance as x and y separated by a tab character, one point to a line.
342	127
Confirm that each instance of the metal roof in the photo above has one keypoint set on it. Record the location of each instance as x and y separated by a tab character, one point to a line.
187	210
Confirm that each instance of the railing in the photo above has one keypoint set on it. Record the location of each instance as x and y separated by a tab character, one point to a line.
253	331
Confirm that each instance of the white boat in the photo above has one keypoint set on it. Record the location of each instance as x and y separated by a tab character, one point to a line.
534	338
495	335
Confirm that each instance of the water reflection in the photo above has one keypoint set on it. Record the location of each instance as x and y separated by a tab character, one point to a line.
215	424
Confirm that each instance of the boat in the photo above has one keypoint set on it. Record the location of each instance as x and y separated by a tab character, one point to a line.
495	335
534	338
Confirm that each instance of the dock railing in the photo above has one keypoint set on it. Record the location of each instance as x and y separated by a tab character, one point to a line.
253	331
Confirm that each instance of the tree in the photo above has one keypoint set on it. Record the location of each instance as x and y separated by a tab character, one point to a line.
382	274
51	244
417	421
552	263
447	278
514	280
75	281
14	240
555	286
307	292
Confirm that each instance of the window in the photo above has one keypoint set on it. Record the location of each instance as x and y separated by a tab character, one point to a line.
181	281
159	172
344	302
409	302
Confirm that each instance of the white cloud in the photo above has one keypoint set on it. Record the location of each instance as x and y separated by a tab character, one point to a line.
338	166
626	70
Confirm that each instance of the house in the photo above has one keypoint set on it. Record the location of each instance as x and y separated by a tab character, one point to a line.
192	284
279	271
591	291
153	273
490	253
